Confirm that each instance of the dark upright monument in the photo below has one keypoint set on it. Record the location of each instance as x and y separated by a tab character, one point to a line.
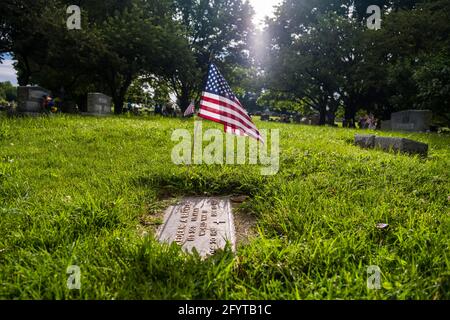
98	104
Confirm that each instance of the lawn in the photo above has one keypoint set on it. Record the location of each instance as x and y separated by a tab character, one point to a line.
89	192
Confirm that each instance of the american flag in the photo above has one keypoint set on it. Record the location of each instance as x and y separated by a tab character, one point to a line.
190	110
219	104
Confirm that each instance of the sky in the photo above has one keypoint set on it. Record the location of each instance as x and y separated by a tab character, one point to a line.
262	8
7	72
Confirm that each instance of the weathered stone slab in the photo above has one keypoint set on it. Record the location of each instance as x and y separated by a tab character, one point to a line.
392	144
414	147
388	143
401	145
365	141
205	224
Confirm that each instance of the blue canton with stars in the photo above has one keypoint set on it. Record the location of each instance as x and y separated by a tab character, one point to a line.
217	84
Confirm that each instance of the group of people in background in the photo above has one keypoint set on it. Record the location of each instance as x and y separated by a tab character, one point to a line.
50	105
168	110
368	122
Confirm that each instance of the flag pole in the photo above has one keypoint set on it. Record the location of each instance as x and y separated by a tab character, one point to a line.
205	79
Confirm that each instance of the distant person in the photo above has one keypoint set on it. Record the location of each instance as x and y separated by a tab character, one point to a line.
372	123
51	105
363	122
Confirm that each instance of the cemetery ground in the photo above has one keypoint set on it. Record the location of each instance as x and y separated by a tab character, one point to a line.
89	192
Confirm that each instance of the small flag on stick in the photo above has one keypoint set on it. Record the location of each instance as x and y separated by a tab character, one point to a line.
219	104
190	110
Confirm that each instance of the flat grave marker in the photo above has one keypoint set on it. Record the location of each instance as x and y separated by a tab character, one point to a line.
205	224
392	143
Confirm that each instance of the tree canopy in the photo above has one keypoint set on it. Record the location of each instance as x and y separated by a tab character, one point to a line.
119	41
8	92
322	54
314	56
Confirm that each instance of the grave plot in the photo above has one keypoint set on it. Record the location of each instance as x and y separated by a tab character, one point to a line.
205	224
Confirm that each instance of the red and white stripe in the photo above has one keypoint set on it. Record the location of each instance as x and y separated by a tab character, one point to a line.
230	113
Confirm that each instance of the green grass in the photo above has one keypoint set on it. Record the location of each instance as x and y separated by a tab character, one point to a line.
73	190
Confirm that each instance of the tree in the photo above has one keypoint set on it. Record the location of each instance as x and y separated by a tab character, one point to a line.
118	42
316	66
360	6
433	84
328	58
139	92
24	27
282	102
216	30
411	48
139	40
303	59
8	92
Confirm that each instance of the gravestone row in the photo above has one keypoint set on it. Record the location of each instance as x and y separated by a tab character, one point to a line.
30	98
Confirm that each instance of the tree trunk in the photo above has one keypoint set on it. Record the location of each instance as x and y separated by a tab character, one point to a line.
333	106
119	96
23	80
323	115
118	103
184	98
24	77
331	117
349	116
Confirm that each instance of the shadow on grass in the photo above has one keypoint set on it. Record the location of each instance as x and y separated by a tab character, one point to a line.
195	184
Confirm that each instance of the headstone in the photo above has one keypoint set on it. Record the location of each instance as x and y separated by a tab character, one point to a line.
392	144
205	224
29	99
411	120
265	117
98	104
